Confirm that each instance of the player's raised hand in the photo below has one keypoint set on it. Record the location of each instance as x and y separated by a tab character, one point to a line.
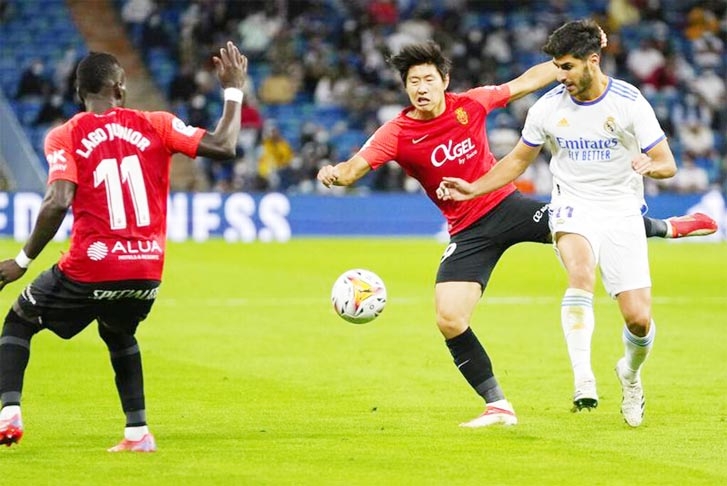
455	189
327	175
231	67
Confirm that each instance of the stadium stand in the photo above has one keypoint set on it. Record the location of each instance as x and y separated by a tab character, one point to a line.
318	71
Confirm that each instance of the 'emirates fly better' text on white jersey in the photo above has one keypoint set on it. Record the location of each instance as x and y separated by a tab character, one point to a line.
593	143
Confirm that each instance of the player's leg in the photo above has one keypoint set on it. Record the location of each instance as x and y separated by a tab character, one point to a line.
117	328
625	271
14	356
463	274
697	224
577	318
638	339
46	300
455	302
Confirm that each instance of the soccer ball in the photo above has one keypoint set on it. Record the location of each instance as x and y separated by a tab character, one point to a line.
358	296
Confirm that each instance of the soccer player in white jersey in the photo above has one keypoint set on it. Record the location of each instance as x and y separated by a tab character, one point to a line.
604	137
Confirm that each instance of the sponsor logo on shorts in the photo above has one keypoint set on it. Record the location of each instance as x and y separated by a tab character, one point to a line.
138	294
28	295
540	213
448	251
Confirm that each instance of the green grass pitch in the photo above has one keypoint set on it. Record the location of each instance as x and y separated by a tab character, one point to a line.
252	379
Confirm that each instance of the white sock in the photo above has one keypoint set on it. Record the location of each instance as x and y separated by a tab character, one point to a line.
636	350
9	411
578	322
668	229
135	433
502	403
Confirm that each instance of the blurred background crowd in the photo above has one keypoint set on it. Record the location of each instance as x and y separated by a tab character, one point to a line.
319	84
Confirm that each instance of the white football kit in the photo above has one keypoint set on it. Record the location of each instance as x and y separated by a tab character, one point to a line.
596	193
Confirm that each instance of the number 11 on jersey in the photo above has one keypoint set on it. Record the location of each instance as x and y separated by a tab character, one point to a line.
113	176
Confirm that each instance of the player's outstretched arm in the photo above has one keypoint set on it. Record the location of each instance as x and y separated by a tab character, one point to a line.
57	200
344	173
231	68
533	79
505	171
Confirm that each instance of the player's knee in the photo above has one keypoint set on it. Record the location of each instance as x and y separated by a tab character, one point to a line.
451	323
16	325
638	322
581	278
115	339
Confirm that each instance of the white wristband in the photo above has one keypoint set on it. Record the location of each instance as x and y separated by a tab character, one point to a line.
233	94
22	259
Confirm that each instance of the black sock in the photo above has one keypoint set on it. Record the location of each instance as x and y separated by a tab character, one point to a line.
474	364
655	227
129	378
14	357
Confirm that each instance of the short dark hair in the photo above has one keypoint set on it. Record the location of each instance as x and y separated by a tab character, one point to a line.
423	53
579	38
94	71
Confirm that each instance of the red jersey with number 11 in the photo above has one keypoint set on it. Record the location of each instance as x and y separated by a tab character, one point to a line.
120	162
454	144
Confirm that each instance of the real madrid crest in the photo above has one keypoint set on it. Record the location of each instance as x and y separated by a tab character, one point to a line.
610	125
461	115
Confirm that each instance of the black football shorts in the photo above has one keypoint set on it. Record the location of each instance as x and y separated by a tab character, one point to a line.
472	253
66	307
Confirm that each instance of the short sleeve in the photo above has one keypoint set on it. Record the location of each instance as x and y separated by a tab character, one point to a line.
177	136
59	154
491	97
533	133
646	126
382	146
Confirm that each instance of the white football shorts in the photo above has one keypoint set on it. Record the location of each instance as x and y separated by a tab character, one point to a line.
617	238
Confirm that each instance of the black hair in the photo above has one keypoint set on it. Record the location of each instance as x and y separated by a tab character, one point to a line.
423	53
94	71
579	38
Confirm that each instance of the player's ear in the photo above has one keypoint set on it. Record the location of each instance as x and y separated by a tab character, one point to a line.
595	58
446	82
119	92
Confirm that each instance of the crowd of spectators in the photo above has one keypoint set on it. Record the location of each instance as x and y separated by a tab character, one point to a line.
331	54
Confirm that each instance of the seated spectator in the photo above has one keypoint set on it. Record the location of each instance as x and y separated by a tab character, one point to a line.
278	88
690	178
274	163
711	89
183	85
33	82
503	136
6	11
154	33
316	150
251	124
257	31
645	60
708	51
696	137
699	22
51	111
134	13
383	12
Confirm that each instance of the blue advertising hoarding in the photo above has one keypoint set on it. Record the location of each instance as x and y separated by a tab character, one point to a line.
243	217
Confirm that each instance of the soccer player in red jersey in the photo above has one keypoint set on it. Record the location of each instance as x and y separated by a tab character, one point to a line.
444	135
111	166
